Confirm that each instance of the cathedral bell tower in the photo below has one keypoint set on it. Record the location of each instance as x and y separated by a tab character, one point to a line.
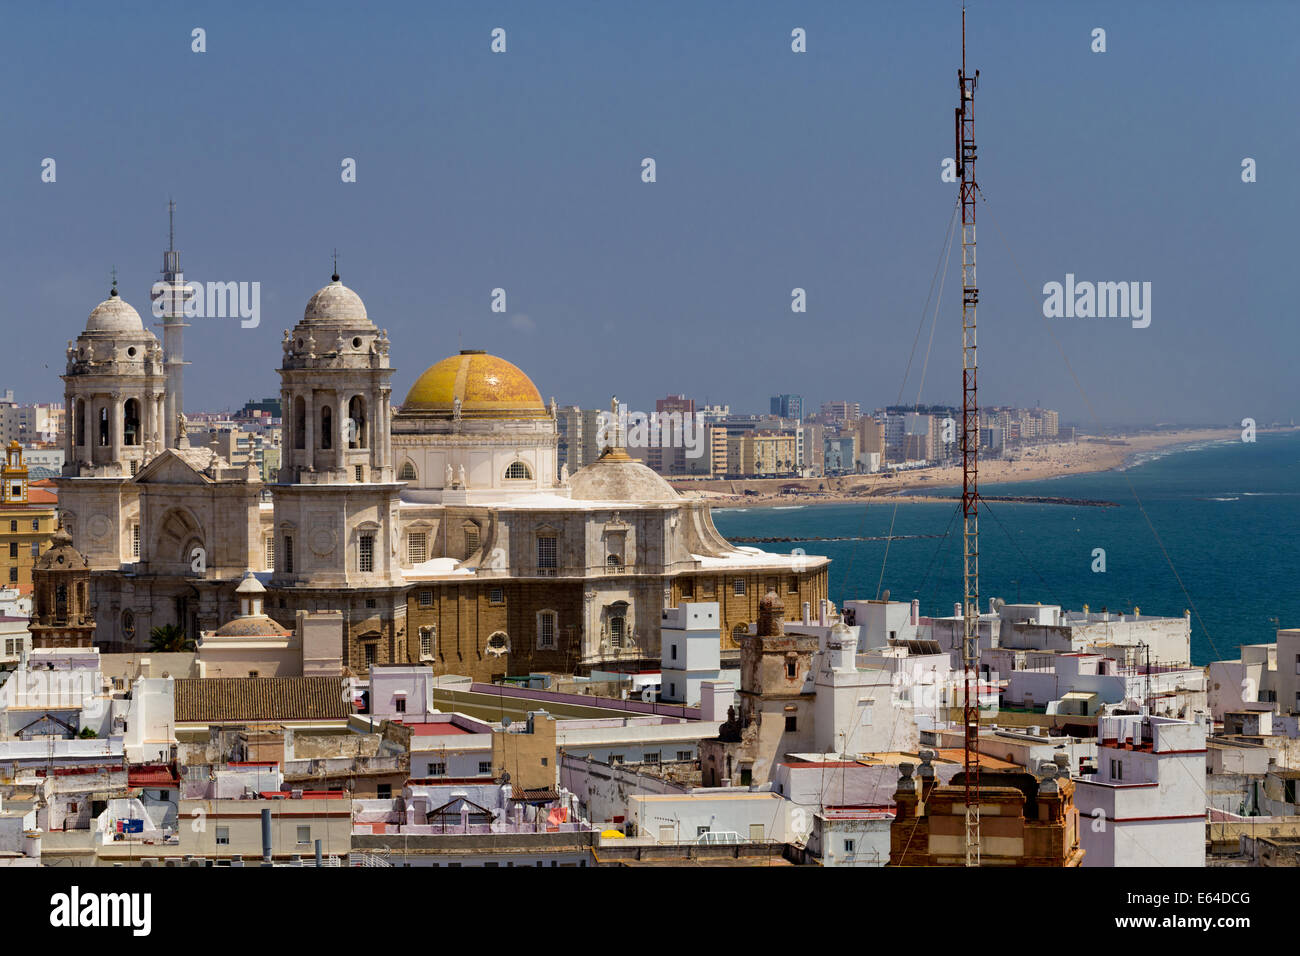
336	499
114	393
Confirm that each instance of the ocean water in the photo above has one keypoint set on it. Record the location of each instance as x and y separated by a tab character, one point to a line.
1220	536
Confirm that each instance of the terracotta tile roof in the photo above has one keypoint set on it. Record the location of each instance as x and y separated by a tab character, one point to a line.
232	699
42	496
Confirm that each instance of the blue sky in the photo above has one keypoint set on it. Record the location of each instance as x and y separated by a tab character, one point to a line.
775	170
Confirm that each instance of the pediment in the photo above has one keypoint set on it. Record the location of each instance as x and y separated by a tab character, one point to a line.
169	468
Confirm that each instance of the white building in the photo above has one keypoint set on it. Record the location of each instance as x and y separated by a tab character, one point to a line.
1146	804
856	709
691	650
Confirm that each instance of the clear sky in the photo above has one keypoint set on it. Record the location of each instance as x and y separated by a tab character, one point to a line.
775	170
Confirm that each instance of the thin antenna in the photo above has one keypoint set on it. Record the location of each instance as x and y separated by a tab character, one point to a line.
970	441
335	276
171	225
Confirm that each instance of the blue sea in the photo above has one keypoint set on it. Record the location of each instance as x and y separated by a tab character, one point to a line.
1220	536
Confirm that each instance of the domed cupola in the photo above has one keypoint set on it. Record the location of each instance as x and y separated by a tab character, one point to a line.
115	390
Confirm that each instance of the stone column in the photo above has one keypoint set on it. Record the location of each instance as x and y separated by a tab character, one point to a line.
309	439
340	431
115	427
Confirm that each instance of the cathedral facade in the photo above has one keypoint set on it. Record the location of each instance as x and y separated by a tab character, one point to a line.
442	530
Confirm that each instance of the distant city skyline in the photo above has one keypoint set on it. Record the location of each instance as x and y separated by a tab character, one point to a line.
775	170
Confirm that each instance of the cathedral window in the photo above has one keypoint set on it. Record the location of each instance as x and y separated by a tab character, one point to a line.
546	552
79	424
288	554
270	552
407	473
471	539
496	596
357	422
13	549
518	471
326	427
131	422
616	626
135	541
613	564
358	473
688	587
739	587
417	547
546	629
426	598
366	553
427	635
299	423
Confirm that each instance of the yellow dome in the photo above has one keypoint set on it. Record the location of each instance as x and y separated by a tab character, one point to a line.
487	386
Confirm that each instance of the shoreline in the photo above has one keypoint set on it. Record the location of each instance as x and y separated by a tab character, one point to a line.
1086	455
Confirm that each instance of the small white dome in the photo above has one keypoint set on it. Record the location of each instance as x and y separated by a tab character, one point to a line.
336	303
114	315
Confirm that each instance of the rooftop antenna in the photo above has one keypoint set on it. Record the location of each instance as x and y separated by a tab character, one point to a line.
970	419
335	276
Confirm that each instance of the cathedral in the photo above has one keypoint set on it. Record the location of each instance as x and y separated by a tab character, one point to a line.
440	528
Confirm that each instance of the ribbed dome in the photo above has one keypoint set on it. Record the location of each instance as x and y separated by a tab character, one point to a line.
336	304
114	315
615	477
487	386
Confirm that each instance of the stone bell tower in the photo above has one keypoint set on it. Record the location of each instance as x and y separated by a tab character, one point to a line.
336	499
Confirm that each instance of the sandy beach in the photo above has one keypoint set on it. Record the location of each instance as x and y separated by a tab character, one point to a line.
1034	463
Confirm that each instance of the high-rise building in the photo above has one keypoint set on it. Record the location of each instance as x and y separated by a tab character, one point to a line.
578	428
840	411
788	406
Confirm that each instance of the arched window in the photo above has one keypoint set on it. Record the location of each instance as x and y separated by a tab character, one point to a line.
131	422
326	427
546	628
299	423
407	473
498	644
357	425
80	423
60	604
617	624
518	471
427	636
103	428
